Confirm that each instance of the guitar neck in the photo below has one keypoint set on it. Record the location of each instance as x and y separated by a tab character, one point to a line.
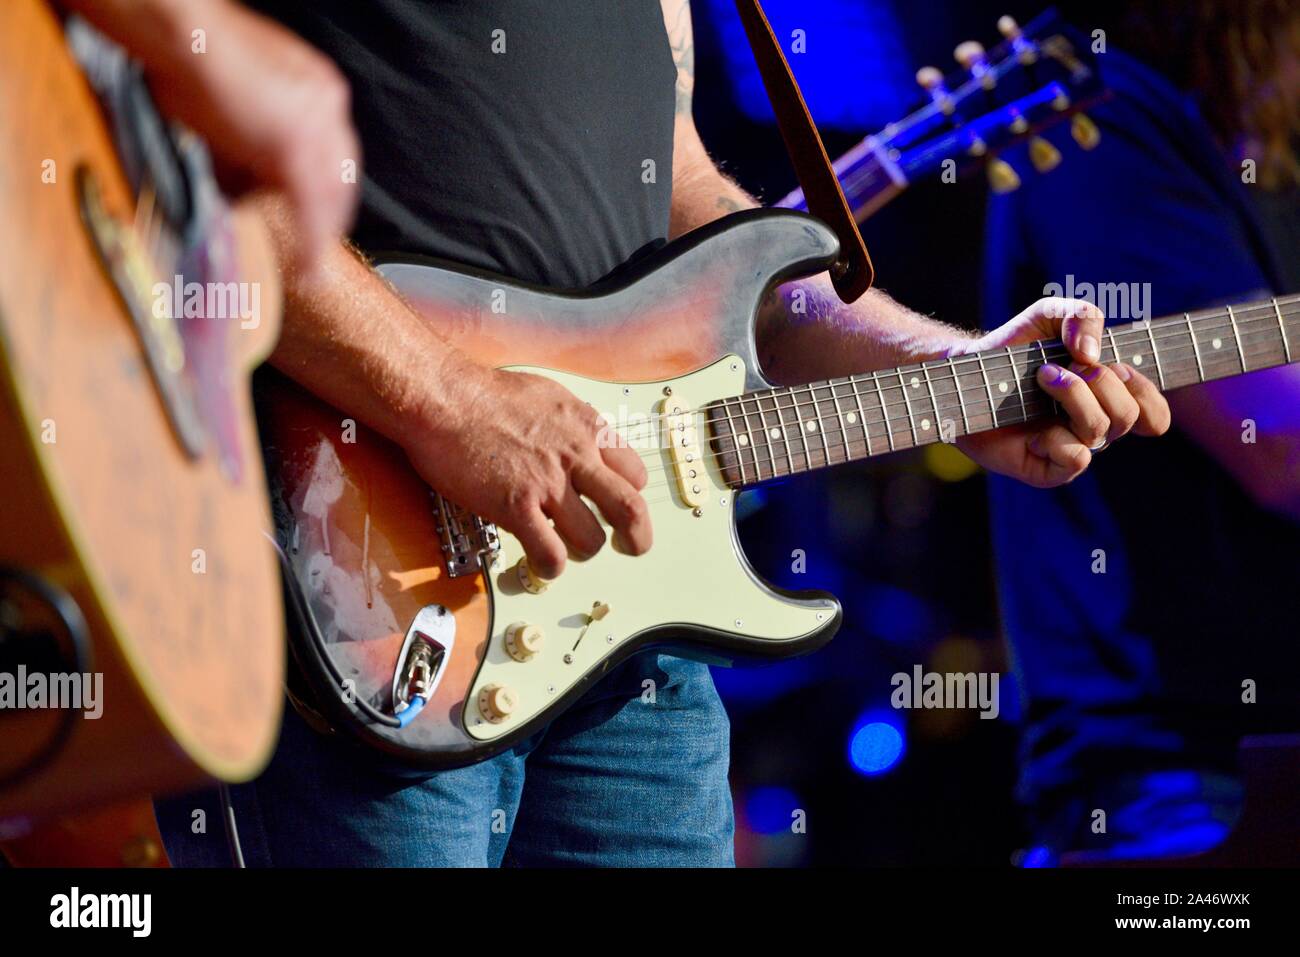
776	432
868	175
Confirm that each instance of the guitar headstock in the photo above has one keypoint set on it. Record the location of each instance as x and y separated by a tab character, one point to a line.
1038	76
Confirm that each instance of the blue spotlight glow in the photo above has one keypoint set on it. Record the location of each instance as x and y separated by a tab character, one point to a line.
769	810
876	744
848	55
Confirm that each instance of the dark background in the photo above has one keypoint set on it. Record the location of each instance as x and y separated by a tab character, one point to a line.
903	541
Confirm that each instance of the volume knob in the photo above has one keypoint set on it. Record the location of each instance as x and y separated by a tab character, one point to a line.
524	640
497	702
532	582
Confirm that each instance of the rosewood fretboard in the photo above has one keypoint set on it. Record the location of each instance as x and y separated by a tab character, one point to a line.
776	432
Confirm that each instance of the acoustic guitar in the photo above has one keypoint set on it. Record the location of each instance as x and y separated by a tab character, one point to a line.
140	609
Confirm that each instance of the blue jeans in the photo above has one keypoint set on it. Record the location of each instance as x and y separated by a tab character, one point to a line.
614	781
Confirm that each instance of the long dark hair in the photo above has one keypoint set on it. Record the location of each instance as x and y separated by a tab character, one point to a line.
1241	58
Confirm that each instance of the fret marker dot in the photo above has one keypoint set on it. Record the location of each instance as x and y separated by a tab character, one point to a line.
810	426
916	383
742	440
1137	359
851	417
925	424
775	433
1217	343
1002	387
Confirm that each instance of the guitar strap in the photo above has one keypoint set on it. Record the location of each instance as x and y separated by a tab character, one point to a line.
852	272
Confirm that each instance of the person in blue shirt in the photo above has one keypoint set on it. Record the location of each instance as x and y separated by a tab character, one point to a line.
1161	625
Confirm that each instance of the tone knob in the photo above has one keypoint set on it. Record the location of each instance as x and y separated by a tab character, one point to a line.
533	583
497	702
524	640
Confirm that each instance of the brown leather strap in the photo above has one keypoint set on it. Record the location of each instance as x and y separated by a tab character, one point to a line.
852	272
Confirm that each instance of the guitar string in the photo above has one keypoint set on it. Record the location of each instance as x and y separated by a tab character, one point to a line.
648	432
805	455
833	438
749	405
806	447
1169	327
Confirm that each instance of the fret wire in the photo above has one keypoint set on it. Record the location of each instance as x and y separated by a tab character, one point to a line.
1034	411
1236	335
735	442
984	374
1191	331
1020	391
1286	342
934	403
775	396
820	426
807	452
1114	347
1166	326
911	418
749	439
785	434
1043	349
762	422
862	415
839	414
965	419
1131	335
889	433
1155	355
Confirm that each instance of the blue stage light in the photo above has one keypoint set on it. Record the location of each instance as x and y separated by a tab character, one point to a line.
848	55
876	744
770	810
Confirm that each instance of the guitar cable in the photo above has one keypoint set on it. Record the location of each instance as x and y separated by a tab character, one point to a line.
231	828
306	620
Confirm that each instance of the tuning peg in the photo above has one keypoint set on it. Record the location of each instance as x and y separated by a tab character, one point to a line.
929	78
1024	48
1043	155
969	54
1085	131
972	57
1002	177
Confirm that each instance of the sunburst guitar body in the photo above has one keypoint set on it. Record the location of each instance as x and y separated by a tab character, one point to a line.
425	632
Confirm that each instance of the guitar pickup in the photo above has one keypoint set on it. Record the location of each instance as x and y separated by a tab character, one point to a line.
682	439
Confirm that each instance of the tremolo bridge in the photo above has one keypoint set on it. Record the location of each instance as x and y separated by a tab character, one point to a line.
465	538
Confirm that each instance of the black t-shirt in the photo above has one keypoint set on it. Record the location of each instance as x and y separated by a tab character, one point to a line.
527	137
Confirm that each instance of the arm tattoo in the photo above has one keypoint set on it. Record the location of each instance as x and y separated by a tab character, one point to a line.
681	39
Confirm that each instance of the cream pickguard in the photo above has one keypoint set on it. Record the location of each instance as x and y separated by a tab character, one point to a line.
694	578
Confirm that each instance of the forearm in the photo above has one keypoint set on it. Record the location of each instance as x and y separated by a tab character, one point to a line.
1224	417
348	338
157	32
805	332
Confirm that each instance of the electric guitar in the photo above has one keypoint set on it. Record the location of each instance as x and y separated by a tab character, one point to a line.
424	631
1001	98
132	546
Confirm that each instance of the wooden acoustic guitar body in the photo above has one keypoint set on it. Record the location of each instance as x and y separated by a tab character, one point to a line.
164	554
361	534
